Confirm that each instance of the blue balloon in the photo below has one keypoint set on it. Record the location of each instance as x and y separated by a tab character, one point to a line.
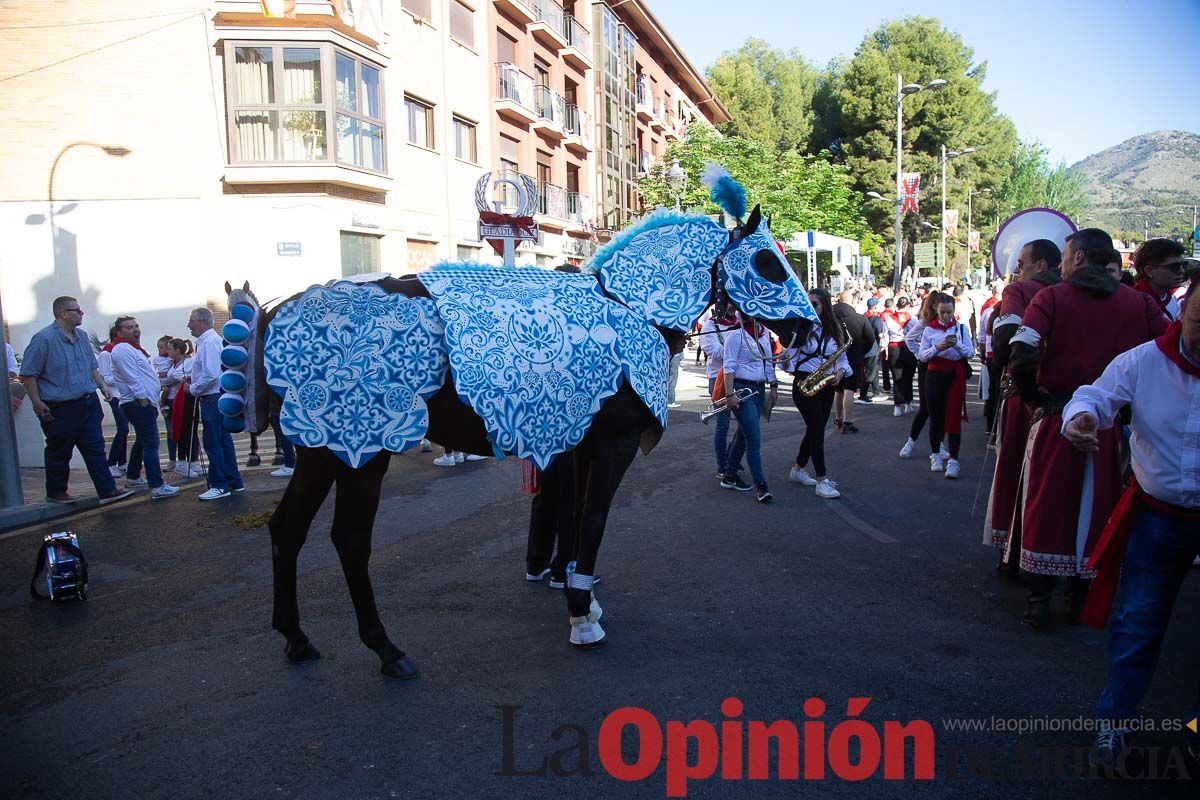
231	404
234	424
243	311
235	331
232	381
233	356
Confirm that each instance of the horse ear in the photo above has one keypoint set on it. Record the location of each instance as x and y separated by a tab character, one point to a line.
228	288
246	287
752	223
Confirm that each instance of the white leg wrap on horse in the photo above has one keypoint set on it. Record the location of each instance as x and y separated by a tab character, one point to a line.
595	612
577	581
585	632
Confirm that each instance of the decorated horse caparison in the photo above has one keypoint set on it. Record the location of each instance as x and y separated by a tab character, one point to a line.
495	361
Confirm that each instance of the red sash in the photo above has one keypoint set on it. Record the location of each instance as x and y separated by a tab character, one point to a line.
181	400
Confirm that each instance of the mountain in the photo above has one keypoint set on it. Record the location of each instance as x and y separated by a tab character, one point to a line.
1155	175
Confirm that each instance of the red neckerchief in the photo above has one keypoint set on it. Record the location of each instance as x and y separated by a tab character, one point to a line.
1169	344
991	301
938	325
1143	285
108	348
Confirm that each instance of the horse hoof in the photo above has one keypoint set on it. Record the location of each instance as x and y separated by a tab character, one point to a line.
401	669
586	633
301	651
253	461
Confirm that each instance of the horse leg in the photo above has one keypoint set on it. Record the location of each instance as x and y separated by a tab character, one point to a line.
358	493
289	526
253	460
607	459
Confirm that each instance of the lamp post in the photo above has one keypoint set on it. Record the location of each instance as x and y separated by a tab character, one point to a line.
971	194
945	155
116	151
902	90
676	180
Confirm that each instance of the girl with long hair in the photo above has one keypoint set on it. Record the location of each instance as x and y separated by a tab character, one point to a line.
802	361
912	339
185	422
900	357
946	346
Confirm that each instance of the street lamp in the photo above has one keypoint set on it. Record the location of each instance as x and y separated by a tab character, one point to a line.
946	154
676	181
116	151
903	90
971	194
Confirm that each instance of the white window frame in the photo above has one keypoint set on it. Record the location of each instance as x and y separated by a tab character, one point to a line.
430	126
457	121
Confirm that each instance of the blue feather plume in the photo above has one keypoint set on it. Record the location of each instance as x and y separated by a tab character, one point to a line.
724	190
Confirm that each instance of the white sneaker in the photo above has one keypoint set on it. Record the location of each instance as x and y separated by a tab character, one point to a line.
426	447
170	467
215	494
282	472
943	452
898	411
444	461
952	468
473	457
802	475
674	405
828	490
459	457
194	470
166	490
906	451
115	471
136	483
908	409
935	463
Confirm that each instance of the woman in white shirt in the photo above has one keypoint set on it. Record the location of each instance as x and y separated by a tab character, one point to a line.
184	419
748	365
802	361
912	339
118	451
946	348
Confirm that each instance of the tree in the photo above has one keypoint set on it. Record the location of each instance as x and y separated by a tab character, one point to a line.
769	94
959	115
1031	182
797	192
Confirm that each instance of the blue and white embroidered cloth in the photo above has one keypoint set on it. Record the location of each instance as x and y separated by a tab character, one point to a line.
355	365
755	295
536	352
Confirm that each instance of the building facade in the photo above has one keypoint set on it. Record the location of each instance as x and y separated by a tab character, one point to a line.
156	151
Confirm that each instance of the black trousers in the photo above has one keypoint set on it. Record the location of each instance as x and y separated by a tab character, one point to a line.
995	375
922	415
815	411
552	519
938	385
904	366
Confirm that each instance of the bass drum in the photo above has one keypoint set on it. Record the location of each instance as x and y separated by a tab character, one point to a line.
1022	228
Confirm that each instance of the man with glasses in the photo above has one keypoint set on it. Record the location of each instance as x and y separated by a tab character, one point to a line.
61	375
1159	267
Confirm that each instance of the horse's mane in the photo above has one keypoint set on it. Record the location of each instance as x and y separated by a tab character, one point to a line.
661	218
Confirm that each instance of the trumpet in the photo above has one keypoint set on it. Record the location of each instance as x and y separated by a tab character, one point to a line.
720	406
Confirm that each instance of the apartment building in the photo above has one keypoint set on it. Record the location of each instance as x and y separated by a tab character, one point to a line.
157	149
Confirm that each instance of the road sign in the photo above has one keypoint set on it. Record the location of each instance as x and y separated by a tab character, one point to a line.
925	256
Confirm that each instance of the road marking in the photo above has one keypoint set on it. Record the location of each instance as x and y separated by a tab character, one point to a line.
860	524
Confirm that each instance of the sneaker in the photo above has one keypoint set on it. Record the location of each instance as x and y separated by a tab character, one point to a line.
473	457
735	483
849	427
238	489
64	498
170	467
908	409
114	496
166	490
802	475
674	405
196	470
215	494
907	450
952	468
282	472
943	452
1109	745
135	483
533	577
837	424
861	402
444	461
935	463
828	490
898	411
115	471
764	494
426	447
459	457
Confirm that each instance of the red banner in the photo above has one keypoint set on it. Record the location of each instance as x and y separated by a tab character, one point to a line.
910	189
952	222
973	241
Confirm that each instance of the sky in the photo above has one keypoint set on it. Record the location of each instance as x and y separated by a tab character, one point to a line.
1077	76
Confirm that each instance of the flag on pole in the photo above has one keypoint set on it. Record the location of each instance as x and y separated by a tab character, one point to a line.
973	241
910	188
952	222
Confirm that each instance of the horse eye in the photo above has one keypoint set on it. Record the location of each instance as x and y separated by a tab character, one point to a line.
768	265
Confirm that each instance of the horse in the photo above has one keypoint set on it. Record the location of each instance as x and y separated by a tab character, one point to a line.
654	281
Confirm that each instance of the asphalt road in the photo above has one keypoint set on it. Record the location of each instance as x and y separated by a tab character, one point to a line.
168	682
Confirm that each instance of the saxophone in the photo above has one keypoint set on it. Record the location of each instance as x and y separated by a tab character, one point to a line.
824	375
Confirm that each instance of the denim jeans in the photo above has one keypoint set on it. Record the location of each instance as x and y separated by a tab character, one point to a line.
118	451
218	446
1159	554
283	444
76	424
673	376
145	427
720	432
748	440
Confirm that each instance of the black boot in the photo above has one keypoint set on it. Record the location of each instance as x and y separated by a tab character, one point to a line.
1037	602
1077	592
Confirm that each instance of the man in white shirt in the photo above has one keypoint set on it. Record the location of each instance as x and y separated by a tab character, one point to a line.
712	340
223	476
1153	534
138	388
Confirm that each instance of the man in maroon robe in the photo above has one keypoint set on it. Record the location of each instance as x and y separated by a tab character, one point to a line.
1068	336
1037	268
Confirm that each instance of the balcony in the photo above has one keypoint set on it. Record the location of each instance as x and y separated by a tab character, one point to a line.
520	10
578	52
658	118
645	102
547	25
515	95
645	162
509	199
574	247
581	210
551	113
672	129
552	200
578	129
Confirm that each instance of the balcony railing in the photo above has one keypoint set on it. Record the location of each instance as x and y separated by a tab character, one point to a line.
579	124
644	98
515	85
508	196
550	105
552	200
577	35
645	162
549	12
580	208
